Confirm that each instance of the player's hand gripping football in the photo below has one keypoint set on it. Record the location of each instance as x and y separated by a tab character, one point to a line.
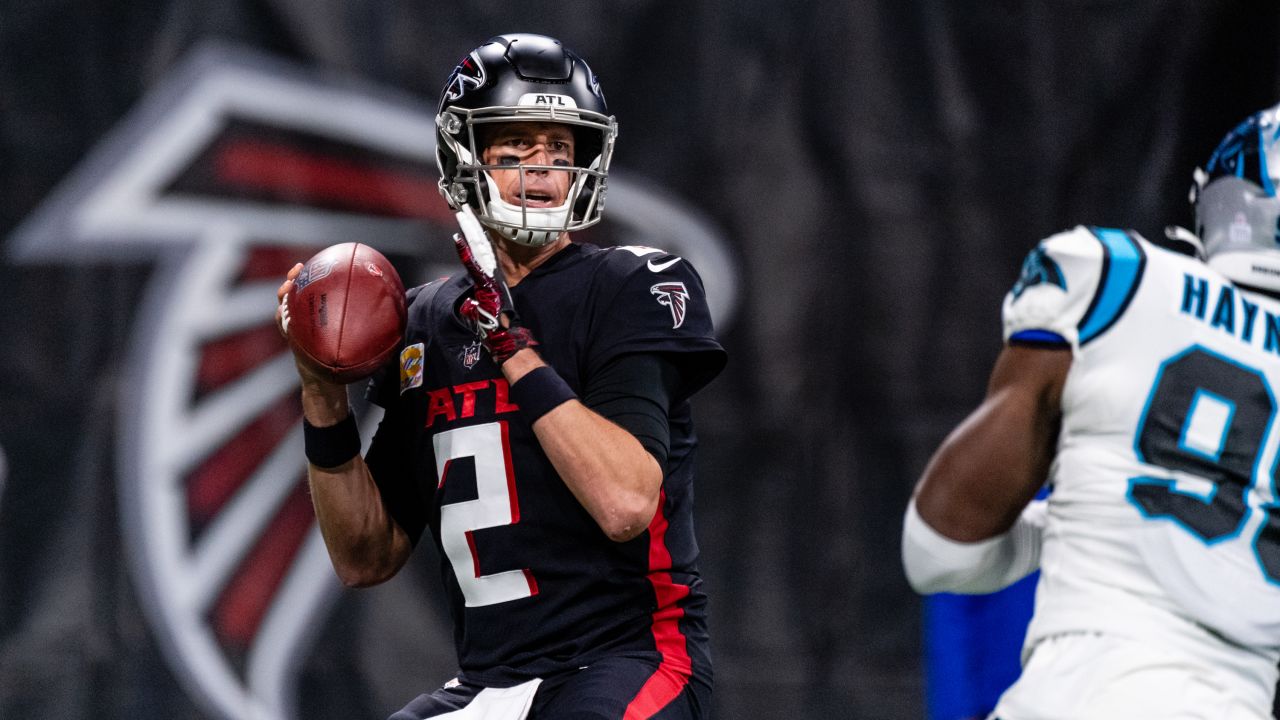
310	376
489	310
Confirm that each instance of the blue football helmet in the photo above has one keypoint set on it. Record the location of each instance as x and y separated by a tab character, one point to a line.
1236	206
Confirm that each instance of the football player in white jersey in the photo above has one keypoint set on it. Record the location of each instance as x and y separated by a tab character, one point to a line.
1142	386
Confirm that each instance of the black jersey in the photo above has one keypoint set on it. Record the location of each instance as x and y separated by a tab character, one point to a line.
535	585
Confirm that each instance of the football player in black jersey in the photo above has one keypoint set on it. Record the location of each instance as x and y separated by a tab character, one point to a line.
538	421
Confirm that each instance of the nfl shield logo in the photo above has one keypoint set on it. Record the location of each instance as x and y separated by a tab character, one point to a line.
471	355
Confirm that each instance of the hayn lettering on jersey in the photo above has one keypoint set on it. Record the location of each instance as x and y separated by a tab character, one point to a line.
1162	524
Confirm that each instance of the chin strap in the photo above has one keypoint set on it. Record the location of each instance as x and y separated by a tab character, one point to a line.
533	227
1182	240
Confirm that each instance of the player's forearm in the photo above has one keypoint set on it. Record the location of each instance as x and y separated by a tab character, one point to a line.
995	462
365	544
982	476
605	467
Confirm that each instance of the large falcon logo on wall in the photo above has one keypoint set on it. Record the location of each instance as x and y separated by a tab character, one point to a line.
232	169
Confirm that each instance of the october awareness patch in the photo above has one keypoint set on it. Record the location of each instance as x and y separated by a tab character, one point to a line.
411	367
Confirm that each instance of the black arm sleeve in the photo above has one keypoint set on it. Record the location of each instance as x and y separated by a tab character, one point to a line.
635	391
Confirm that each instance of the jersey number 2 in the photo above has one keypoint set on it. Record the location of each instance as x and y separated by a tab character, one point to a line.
496	504
1208	416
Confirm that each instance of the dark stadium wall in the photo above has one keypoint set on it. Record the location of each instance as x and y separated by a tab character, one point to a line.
862	177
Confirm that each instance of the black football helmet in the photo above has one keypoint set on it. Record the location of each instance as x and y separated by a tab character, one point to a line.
523	77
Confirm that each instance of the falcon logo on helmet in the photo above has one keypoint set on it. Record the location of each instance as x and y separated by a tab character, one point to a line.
469	74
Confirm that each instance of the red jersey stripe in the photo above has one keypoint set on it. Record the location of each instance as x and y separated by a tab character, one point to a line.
673	672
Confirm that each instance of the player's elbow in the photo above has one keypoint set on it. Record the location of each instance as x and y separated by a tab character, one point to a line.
361	577
623	533
627	509
361	574
626	526
628	520
360	568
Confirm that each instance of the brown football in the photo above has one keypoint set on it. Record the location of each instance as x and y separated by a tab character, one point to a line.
346	311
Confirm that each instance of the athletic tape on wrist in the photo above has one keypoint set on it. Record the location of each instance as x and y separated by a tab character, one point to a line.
539	392
329	447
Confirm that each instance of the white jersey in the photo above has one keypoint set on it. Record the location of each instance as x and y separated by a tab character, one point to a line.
1163	523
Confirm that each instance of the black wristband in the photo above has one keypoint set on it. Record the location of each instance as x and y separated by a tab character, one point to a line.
539	392
329	447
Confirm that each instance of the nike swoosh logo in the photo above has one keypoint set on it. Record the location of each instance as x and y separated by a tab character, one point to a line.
659	267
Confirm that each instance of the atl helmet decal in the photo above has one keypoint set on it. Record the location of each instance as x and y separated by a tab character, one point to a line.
237	166
674	296
469	74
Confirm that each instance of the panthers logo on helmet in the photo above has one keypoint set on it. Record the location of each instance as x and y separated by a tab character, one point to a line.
1247	152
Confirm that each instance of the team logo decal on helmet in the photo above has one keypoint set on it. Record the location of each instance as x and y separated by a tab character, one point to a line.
469	74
